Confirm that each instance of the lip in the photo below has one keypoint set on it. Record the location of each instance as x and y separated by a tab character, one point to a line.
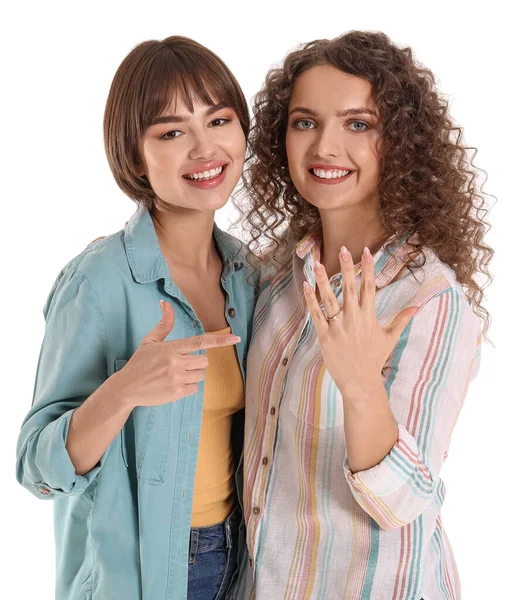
329	168
208	184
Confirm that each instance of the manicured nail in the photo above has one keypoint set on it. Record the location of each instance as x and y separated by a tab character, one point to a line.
318	267
345	254
366	254
307	288
162	303
233	339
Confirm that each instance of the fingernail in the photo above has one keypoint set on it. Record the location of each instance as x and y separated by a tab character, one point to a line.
307	287
162	304
318	267
233	338
366	254
345	254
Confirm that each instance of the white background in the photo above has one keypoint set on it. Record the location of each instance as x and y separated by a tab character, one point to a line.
57	194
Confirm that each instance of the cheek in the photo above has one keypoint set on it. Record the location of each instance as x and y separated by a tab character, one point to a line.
294	154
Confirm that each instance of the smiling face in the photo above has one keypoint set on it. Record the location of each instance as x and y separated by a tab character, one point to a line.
331	139
193	160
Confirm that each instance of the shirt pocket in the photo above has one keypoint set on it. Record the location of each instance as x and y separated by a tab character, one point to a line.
146	439
313	397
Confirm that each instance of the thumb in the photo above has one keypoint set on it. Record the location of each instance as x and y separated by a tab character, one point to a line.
401	321
166	323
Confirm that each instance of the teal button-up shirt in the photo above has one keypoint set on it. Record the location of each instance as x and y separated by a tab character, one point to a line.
122	529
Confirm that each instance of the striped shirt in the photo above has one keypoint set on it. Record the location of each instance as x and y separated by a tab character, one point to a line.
315	529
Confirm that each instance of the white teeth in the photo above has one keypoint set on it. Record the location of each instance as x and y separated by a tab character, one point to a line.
205	174
334	174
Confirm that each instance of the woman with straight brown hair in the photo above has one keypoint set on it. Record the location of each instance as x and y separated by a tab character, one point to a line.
141	459
366	194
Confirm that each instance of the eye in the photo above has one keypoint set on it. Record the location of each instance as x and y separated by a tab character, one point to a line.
219	122
170	135
358	126
303	124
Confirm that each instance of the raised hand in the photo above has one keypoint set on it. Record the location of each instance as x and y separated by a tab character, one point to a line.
353	343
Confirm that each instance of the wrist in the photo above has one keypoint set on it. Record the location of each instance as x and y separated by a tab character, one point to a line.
363	391
117	394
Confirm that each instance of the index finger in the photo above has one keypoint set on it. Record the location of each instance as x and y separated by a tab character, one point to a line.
204	341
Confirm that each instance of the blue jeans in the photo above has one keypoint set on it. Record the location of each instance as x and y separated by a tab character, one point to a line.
212	558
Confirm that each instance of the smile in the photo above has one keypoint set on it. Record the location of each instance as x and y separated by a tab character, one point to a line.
207	179
330	175
211	174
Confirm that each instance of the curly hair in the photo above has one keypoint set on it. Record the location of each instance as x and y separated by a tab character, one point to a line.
428	184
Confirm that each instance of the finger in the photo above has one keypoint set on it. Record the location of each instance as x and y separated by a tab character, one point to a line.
318	318
202	342
401	321
193	362
194	376
190	389
164	327
327	295
350	289
368	283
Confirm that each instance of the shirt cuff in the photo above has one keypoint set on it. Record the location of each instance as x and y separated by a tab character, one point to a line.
54	464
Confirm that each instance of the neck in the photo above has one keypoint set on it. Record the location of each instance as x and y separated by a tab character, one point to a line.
185	236
354	227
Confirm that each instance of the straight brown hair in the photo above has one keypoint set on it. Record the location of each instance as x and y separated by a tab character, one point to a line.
149	78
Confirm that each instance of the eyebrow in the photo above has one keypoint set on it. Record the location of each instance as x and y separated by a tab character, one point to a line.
177	119
341	113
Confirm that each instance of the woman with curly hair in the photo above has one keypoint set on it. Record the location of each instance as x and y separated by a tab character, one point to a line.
358	369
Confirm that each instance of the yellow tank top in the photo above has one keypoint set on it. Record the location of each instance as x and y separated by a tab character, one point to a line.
214	486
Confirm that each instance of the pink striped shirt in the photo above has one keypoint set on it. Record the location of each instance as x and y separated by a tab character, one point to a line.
315	530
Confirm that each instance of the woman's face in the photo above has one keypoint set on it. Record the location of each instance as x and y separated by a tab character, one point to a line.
331	139
193	160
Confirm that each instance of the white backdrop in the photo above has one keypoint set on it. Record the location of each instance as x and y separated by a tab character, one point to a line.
58	60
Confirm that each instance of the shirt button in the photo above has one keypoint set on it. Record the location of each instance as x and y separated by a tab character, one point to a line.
231	312
256	510
337	283
265	461
44	491
284	361
195	324
273	411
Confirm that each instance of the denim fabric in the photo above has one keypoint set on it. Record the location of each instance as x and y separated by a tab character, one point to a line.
213	558
122	529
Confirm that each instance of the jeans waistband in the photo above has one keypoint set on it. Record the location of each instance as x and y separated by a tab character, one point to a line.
216	536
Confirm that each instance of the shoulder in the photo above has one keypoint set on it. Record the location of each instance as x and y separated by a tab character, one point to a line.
445	306
100	265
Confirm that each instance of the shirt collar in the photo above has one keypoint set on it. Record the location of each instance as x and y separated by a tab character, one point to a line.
387	262
145	257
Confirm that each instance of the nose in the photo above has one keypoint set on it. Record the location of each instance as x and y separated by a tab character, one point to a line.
202	147
327	142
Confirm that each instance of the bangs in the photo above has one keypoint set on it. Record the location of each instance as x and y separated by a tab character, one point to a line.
189	79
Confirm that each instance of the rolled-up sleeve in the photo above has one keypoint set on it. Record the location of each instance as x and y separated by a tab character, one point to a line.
71	366
430	370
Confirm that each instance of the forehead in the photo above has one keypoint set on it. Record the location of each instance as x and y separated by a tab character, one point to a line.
325	88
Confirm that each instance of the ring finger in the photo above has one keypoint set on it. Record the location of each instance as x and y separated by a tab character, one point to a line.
330	302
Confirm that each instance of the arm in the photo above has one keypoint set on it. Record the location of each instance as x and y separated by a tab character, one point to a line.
77	409
436	358
72	365
397	430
